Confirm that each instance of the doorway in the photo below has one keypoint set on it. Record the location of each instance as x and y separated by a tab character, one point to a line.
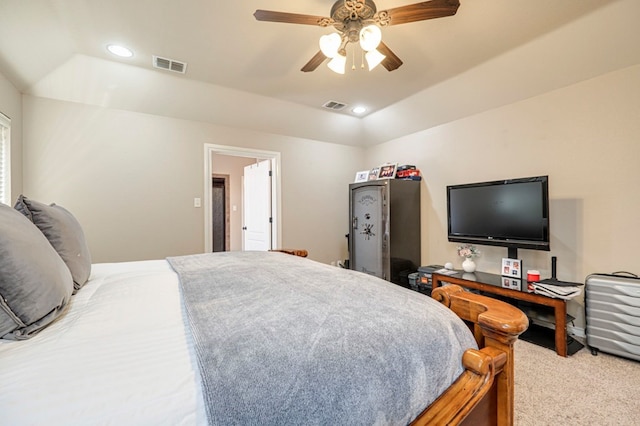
220	213
210	167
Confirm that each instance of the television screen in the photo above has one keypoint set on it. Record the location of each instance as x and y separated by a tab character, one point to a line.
512	213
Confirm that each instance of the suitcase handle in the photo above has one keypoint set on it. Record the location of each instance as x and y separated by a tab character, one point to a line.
625	273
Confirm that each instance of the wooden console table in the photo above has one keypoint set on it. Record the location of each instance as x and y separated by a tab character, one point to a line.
508	287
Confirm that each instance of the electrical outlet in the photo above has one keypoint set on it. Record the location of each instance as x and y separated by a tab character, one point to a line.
197	202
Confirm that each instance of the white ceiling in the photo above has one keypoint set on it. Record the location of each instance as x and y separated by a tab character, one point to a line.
226	47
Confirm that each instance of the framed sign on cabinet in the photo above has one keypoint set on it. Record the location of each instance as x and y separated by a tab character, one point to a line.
387	171
373	174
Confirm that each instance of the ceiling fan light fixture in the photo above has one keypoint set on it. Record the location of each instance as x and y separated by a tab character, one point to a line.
374	57
338	64
329	44
359	21
370	37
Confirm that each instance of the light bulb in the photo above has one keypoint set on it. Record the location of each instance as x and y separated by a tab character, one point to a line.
329	44
374	58
370	37
337	64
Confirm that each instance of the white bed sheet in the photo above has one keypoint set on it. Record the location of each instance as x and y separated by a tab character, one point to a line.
121	355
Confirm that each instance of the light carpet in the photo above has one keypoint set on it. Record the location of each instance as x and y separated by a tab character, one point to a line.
579	390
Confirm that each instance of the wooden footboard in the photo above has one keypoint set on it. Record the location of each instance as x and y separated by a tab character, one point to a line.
295	252
483	394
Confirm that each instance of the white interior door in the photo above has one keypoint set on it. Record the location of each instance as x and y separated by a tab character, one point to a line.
257	206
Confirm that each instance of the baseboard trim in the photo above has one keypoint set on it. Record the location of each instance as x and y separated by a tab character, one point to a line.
575	331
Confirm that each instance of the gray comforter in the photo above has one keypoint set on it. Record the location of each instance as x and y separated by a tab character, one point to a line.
286	340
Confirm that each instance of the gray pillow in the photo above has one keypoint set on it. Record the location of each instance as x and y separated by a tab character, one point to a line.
64	233
35	284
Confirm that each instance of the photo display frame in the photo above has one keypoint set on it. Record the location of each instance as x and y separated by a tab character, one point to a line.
362	176
512	267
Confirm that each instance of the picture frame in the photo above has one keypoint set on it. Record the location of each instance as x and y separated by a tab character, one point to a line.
373	174
512	267
362	176
387	171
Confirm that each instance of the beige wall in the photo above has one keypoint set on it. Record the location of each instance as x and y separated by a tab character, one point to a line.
585	137
11	106
131	179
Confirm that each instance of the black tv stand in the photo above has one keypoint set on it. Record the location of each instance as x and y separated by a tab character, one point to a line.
539	335
503	288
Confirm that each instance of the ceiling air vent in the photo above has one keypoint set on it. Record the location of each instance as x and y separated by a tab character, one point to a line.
169	64
334	106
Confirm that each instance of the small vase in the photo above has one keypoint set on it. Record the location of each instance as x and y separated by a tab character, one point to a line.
468	265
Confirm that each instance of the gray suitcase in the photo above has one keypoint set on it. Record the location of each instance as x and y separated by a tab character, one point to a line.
612	303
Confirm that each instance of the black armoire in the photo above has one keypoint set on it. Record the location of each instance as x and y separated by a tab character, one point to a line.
384	228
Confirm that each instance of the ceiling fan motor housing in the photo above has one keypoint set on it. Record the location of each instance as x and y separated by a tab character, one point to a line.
353	10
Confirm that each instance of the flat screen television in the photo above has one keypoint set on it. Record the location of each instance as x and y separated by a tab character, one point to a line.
512	213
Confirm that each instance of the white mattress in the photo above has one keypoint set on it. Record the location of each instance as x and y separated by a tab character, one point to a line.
121	355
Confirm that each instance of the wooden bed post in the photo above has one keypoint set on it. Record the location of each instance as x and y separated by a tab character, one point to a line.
484	393
504	381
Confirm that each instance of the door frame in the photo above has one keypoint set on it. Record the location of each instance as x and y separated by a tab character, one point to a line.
276	203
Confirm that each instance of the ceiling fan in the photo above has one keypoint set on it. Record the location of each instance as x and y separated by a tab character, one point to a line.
359	21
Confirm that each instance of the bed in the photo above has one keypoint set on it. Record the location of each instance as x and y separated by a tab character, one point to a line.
257	338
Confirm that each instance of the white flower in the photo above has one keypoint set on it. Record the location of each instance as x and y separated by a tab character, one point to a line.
468	251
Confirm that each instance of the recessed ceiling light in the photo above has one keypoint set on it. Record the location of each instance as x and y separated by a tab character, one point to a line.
359	110
120	51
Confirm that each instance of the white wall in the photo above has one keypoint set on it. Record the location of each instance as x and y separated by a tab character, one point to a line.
11	106
130	178
585	137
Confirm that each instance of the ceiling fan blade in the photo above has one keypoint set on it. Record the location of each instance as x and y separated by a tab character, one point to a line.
391	62
290	18
422	11
314	63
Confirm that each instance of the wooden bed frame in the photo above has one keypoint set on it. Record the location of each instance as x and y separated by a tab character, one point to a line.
483	394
